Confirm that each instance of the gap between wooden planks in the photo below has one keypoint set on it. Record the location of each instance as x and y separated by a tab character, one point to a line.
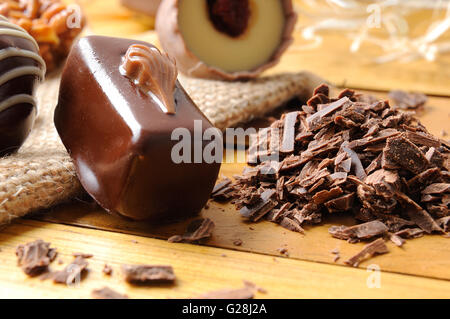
198	269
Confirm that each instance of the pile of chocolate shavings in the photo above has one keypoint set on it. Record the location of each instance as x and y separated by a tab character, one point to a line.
148	274
351	154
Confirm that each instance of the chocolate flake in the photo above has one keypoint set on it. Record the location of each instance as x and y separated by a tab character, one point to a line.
406	154
292	225
34	257
406	100
148	274
258	211
353	154
361	232
418	215
410	233
376	247
437	188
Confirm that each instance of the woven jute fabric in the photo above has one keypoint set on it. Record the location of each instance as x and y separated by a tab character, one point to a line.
41	173
227	104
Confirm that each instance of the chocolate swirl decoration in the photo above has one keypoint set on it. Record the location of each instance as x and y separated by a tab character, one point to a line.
153	72
10	29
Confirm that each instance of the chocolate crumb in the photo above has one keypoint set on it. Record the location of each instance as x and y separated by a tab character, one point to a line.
283	251
72	273
107	270
359	232
237	242
410	233
376	247
107	293
407	100
148	274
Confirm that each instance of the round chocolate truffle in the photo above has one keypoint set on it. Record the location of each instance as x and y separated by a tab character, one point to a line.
21	68
225	39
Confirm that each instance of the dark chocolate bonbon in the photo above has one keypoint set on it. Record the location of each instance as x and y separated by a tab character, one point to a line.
119	137
21	67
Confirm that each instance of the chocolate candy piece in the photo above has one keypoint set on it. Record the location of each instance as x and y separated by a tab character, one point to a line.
225	39
148	7
21	68
118	105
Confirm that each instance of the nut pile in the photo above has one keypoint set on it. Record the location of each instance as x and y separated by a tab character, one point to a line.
53	24
353	154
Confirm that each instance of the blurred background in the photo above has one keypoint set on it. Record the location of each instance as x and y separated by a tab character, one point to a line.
376	45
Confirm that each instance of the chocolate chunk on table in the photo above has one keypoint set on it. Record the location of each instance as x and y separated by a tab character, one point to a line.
409	233
107	270
418	215
406	154
376	247
148	274
72	273
34	257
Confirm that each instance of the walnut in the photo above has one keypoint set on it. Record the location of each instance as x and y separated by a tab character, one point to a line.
48	21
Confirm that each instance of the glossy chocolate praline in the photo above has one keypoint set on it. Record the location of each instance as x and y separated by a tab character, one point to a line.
18	54
213	43
120	139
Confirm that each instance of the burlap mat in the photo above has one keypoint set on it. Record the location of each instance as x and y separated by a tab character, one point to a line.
41	174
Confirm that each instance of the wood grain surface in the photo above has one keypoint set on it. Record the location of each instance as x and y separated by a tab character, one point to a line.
198	269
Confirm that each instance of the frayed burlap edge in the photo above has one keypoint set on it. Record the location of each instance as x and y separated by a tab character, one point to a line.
41	174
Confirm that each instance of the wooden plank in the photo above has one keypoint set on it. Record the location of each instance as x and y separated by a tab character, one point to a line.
198	269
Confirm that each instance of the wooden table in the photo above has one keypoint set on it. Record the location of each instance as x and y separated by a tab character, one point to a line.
419	270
